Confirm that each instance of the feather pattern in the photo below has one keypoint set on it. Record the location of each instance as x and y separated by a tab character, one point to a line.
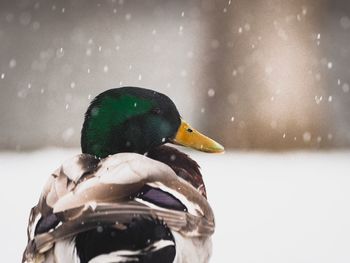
87	193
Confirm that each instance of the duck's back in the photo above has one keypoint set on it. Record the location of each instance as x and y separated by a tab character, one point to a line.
125	208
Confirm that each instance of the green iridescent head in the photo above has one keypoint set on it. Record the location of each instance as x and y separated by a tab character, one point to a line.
131	119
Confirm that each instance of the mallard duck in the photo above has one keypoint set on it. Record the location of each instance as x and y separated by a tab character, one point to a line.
128	197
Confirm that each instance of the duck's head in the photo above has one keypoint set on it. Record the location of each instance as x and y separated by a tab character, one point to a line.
131	119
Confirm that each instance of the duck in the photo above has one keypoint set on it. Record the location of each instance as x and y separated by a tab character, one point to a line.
129	196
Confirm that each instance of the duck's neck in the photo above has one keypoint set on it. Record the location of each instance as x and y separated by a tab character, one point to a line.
181	164
103	143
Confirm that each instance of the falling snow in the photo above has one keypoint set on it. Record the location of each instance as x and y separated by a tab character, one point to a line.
60	52
307	136
211	92
345	22
174	52
25	18
345	87
128	17
68	134
12	63
318	99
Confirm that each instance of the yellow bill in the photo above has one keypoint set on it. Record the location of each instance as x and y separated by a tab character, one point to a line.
189	137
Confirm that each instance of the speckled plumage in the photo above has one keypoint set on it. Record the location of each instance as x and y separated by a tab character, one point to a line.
128	197
86	193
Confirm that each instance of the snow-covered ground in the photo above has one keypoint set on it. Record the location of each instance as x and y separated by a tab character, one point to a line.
269	207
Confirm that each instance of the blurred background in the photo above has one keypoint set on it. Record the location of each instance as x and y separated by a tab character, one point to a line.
261	77
270	75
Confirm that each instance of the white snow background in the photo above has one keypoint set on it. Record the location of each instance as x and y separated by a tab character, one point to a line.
269	207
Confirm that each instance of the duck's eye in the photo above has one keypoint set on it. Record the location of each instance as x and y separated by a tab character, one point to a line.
156	111
189	130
